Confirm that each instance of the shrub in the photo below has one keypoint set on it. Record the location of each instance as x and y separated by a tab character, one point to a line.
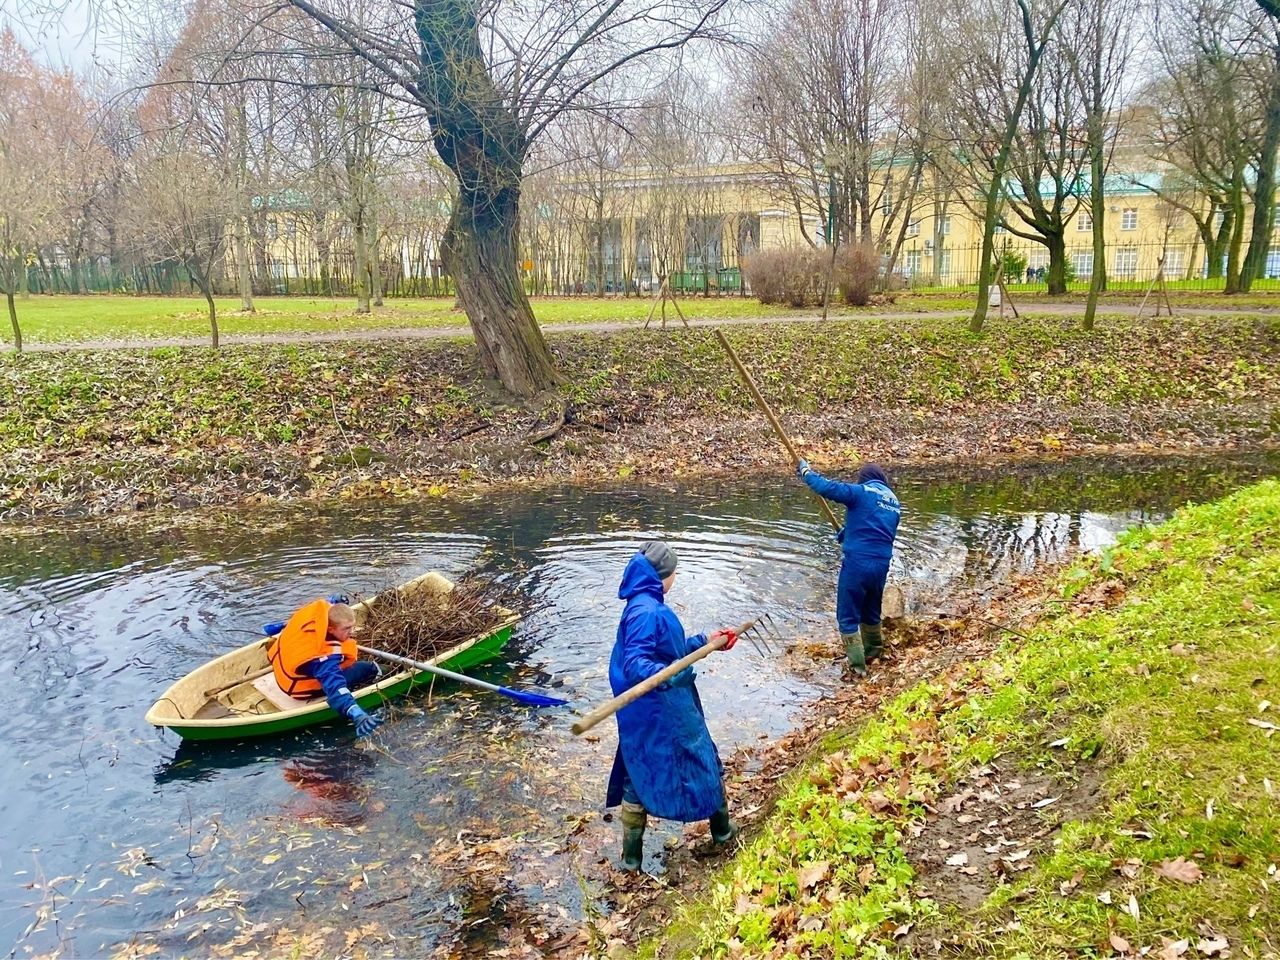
857	272
789	275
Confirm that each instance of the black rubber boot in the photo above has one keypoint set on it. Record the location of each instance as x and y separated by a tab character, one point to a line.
634	820
722	828
872	641
853	650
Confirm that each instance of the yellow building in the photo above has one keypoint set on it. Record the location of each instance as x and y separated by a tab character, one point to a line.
622	232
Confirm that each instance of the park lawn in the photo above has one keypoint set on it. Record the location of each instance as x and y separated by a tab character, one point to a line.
1150	674
69	319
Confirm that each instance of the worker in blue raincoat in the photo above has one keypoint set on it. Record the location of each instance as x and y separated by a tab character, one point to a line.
872	513
666	763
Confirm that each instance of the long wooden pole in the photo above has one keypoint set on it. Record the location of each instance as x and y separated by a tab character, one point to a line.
610	707
769	415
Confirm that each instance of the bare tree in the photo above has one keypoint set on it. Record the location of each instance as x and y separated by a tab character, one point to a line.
176	206
1208	120
29	193
1097	42
995	56
1264	193
823	88
492	78
1046	164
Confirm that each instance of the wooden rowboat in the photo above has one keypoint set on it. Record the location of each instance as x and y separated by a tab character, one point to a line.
236	696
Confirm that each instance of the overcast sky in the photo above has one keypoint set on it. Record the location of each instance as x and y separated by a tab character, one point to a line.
66	33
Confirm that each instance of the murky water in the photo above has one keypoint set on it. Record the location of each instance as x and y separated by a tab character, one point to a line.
476	813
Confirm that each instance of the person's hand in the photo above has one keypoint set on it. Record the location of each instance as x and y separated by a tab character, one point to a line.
338	598
732	638
684	678
365	723
802	468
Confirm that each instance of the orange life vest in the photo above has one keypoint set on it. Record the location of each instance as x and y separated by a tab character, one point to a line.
305	638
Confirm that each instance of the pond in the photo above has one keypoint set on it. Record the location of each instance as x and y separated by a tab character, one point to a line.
473	813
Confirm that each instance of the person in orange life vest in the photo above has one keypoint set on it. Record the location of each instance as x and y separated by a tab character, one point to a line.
314	652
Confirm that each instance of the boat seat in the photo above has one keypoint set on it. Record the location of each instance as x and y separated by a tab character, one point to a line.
268	687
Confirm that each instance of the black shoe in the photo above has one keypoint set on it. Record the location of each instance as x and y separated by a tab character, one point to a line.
722	828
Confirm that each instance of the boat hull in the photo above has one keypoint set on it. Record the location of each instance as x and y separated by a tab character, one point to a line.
242	712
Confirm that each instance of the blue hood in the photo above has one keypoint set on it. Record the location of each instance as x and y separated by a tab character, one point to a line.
639	578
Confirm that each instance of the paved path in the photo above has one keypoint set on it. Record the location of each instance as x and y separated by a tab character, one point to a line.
463	332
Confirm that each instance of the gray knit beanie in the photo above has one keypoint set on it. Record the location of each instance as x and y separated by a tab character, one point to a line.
661	556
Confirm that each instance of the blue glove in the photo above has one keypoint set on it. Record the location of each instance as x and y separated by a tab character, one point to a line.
365	723
684	678
802	468
338	598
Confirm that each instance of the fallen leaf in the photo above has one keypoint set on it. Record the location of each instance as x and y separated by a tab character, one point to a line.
1119	944
1069	886
1045	802
1105	897
958	860
1133	906
1173	949
1184	871
1212	946
1015	857
1208	809
902	931
813	874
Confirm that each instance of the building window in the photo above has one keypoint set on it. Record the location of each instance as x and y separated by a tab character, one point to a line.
1129	218
945	225
704	250
273	228
1126	263
644	252
1085	222
944	265
913	262
913	228
1082	262
1038	258
1000	227
1175	262
1219	216
1273	263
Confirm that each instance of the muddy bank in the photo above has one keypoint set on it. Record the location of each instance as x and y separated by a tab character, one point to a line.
110	433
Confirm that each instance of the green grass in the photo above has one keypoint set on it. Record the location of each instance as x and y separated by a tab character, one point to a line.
61	319
68	319
1161	688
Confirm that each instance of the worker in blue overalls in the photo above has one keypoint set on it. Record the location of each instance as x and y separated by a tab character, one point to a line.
872	513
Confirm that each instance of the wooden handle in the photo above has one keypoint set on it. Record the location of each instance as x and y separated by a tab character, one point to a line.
769	415
210	694
610	707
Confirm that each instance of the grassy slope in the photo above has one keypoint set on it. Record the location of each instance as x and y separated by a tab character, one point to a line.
1161	687
293	394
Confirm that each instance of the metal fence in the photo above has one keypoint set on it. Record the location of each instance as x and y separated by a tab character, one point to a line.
711	269
1128	266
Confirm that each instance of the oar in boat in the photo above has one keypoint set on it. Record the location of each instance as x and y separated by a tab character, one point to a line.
523	696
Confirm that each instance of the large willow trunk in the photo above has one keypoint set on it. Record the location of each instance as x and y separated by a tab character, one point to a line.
480	255
481	141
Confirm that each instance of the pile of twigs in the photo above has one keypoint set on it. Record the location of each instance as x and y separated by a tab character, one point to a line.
422	625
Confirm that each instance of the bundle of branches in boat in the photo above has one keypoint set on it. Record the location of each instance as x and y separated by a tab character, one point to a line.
423	624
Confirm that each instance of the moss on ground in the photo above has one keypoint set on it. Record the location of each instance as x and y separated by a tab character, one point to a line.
1154	669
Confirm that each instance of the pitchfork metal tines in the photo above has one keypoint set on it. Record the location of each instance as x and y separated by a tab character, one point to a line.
758	634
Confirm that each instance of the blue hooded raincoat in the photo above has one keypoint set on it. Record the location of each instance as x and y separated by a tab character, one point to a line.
870	526
663	742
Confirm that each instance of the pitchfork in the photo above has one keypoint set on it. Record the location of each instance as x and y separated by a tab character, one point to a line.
755	631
